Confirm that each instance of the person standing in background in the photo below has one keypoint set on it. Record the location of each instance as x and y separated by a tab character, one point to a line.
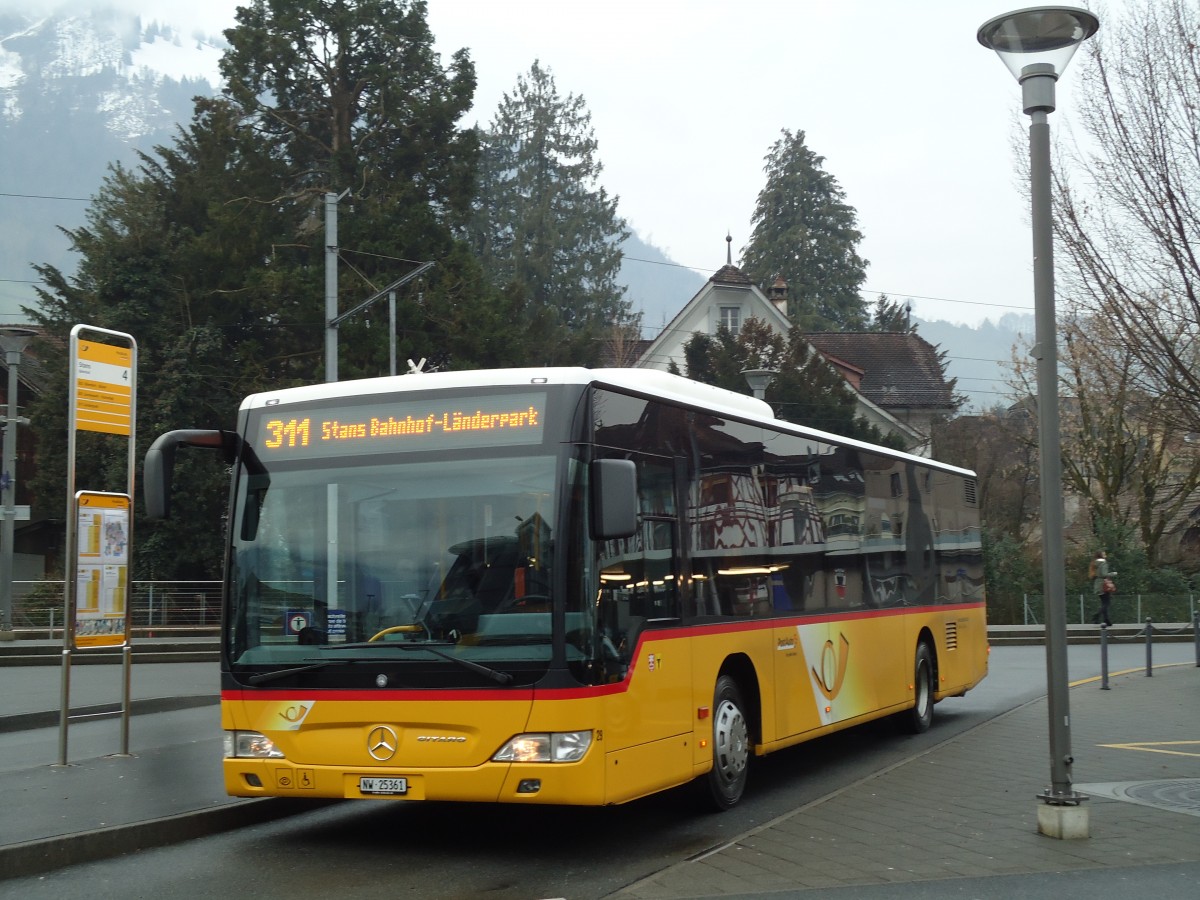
1103	586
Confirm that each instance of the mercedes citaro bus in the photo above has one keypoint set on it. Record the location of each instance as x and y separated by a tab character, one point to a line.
569	586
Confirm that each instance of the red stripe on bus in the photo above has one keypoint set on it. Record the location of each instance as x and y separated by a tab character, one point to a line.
583	691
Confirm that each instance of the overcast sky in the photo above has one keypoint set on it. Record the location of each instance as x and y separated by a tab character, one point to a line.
915	119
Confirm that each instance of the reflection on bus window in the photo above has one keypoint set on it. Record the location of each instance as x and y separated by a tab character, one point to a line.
782	524
638	578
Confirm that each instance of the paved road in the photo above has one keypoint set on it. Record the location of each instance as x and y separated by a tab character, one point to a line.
954	819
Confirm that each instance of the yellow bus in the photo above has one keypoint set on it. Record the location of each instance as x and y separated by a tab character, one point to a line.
569	586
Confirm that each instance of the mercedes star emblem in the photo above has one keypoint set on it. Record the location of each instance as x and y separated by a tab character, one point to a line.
382	743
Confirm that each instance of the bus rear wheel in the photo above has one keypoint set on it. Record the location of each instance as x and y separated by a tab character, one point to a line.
918	719
731	745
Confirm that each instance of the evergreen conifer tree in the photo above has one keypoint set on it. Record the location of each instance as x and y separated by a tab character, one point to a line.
892	316
177	255
805	231
211	253
354	97
544	228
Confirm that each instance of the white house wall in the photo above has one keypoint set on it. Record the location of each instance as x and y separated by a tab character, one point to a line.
703	314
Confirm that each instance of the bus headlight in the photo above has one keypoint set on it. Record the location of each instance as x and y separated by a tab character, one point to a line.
250	745
559	746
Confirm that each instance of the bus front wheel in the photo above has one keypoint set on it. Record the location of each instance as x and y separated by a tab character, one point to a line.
731	745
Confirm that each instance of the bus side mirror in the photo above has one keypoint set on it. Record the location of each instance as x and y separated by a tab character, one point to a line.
159	468
614	499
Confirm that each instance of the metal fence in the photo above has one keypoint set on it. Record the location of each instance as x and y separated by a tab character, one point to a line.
1131	609
197	604
174	604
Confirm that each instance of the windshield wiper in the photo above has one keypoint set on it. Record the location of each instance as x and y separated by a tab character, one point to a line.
486	671
263	677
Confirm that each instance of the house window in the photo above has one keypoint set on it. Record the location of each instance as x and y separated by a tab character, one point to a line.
731	318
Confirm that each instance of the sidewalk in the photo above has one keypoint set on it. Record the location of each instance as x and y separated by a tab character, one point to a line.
102	804
967	808
964	810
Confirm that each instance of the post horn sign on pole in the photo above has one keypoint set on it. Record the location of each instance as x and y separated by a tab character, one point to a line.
103	398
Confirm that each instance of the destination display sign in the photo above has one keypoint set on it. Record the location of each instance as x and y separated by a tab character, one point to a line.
391	426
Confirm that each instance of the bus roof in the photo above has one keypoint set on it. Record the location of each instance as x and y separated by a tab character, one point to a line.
652	382
647	381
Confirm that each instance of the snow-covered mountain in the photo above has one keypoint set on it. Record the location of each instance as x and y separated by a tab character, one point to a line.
80	92
131	71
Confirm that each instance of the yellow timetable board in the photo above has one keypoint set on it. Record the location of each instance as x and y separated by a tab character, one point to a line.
101	611
103	388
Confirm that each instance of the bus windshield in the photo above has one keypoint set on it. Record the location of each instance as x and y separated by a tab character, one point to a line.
331	560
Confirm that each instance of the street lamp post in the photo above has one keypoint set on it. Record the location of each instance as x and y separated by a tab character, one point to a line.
1036	44
13	341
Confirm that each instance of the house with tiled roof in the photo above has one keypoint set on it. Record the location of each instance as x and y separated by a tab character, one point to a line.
900	373
884	374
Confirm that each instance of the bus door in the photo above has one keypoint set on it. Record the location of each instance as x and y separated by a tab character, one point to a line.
640	609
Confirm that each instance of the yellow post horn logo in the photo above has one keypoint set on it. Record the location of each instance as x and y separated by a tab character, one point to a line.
833	668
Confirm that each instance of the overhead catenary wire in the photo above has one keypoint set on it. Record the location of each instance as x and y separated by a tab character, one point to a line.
653	262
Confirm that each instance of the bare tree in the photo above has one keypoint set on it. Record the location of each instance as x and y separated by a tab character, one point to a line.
1127	198
1000	446
1123	456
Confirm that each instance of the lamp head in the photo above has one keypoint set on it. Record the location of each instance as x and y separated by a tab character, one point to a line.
1046	35
15	338
759	380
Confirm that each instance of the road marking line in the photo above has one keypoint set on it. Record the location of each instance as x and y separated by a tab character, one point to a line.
1096	678
1153	747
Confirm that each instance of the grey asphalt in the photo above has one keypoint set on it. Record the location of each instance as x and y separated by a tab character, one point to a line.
959	820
